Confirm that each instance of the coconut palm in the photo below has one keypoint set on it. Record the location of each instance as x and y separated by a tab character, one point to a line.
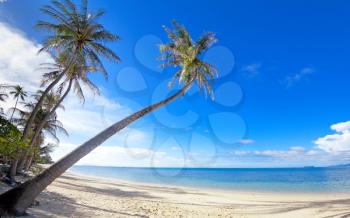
50	127
181	52
44	116
17	93
77	74
77	33
3	94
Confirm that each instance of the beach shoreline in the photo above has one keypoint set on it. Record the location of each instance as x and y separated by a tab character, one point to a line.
77	195
220	190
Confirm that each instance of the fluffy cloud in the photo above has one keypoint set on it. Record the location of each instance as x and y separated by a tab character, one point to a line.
337	142
294	156
122	156
97	113
19	61
19	58
292	151
292	79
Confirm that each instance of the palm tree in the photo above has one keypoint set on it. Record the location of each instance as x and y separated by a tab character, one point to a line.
18	93
51	126
181	52
3	95
76	33
49	102
76	74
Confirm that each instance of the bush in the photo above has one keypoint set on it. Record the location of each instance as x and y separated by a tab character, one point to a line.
10	139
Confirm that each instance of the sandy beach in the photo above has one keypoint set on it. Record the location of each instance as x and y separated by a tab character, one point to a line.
74	195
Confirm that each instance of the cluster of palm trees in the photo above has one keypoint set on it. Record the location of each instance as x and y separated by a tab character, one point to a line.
76	43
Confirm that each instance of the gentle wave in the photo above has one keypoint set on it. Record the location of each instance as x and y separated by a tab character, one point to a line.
314	179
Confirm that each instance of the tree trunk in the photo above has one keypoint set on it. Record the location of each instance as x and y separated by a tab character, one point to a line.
38	105
41	126
16	200
13	169
28	163
13	112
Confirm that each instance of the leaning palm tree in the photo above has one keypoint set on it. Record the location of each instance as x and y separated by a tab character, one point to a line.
76	74
43	116
17	93
51	126
182	53
76	32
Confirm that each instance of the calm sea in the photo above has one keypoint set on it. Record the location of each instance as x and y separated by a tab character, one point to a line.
313	179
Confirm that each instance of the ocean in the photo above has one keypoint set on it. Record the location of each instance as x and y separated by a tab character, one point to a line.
309	179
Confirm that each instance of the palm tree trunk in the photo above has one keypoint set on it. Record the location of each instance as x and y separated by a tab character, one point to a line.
13	112
28	162
42	97
30	121
38	106
16	200
14	163
41	126
13	169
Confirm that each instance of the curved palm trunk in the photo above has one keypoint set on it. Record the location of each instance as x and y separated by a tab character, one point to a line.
16	200
13	169
23	160
38	105
13	112
29	161
14	163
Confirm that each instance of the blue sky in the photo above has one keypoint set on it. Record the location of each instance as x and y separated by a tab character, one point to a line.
284	82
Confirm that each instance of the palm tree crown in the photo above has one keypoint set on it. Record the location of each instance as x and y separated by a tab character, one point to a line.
18	92
77	33
78	73
183	52
3	94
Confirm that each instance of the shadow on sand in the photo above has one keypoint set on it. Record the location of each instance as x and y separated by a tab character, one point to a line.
338	208
53	204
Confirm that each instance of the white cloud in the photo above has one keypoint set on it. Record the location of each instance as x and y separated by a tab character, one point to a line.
337	142
251	70
122	156
292	79
293	156
246	141
97	113
175	148
2	1
19	59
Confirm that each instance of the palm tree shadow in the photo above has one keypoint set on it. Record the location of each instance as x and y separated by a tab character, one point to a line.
114	192
53	204
340	208
62	206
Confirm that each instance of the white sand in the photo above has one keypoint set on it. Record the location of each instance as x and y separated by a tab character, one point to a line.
78	196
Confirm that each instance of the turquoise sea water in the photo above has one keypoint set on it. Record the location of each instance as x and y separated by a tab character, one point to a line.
315	179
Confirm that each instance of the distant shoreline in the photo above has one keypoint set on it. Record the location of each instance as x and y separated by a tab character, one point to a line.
279	180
